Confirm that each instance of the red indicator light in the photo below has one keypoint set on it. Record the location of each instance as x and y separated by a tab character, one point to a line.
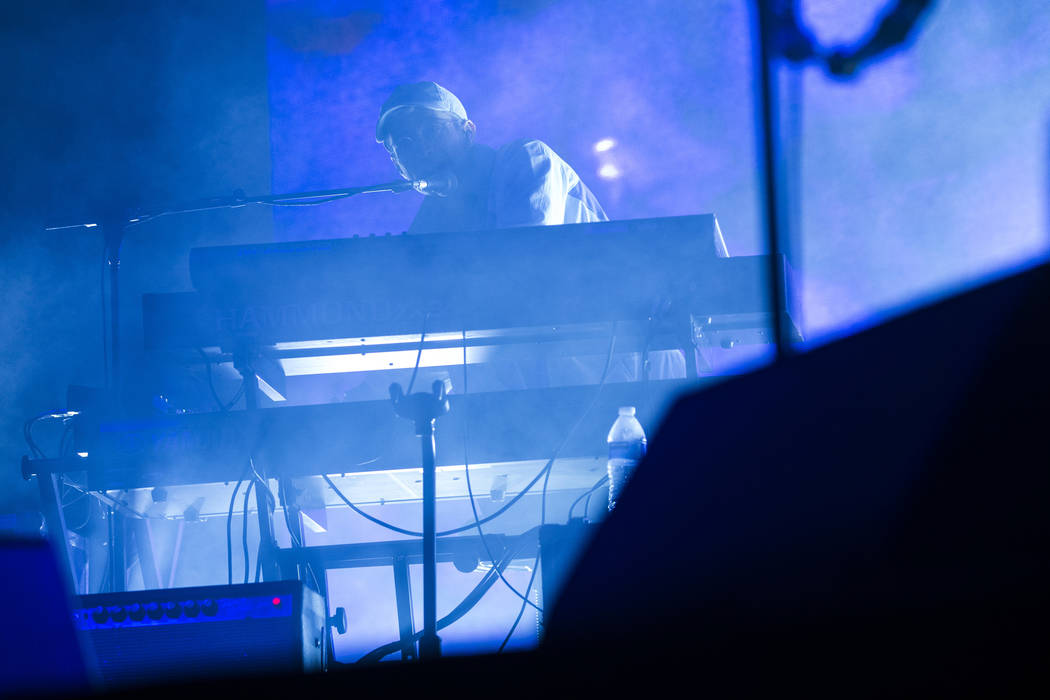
276	601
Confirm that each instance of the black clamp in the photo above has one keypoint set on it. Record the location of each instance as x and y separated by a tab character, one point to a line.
422	408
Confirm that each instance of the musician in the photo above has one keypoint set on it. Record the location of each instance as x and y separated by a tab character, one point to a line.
425	129
428	136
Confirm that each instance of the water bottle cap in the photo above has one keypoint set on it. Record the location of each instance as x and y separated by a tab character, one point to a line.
626	410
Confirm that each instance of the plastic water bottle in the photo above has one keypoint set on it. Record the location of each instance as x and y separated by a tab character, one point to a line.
626	448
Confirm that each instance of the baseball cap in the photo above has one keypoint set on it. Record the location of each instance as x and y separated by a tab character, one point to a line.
425	94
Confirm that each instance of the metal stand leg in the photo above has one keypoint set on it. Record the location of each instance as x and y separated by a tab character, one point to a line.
430	643
768	55
694	361
144	546
423	409
51	503
267	543
264	503
118	568
403	594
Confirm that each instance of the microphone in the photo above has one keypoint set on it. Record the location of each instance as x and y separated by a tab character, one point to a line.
441	185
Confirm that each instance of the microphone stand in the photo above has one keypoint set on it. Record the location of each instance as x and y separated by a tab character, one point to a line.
769	49
780	35
422	409
114	227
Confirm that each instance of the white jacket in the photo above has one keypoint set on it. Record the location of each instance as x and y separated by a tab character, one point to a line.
524	183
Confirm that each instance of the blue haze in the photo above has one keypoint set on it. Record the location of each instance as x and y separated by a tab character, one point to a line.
924	175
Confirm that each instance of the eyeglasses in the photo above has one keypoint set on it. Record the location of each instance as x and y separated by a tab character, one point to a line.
419	134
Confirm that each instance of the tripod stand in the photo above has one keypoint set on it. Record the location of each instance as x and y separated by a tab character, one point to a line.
423	408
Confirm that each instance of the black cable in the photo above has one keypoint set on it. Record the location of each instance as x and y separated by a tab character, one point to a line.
419	353
229	522
587	505
260	484
366	516
36	451
489	579
229	533
282	493
90	509
442	533
294	533
528	588
244	531
587	494
470	488
223	405
521	494
465	606
27	433
299	544
546	480
63	450
545	472
536	561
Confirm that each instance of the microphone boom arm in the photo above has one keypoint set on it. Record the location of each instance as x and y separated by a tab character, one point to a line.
240	200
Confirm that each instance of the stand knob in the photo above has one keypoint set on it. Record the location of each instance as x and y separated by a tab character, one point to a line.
338	620
422	408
